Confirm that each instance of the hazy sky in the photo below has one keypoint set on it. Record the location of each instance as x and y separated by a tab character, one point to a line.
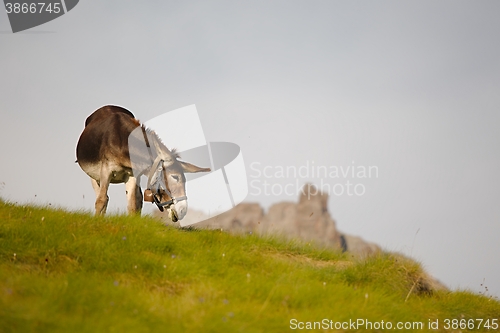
411	88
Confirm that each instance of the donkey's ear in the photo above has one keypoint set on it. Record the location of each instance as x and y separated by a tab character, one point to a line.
191	168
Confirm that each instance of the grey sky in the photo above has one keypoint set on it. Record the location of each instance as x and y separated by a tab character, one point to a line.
409	87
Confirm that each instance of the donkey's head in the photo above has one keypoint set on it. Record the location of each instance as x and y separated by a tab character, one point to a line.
167	182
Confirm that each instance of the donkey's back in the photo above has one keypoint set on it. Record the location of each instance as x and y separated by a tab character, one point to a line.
106	135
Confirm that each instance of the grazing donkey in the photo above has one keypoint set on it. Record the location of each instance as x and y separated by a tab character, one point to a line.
104	153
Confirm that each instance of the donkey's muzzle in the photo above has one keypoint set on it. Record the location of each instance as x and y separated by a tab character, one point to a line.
173	215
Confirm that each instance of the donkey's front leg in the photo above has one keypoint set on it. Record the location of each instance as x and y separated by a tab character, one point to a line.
134	196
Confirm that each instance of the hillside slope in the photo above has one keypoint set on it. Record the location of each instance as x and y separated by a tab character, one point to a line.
71	272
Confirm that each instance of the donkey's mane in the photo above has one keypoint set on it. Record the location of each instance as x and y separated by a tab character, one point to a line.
151	133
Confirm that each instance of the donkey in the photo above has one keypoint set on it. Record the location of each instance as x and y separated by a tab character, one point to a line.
103	152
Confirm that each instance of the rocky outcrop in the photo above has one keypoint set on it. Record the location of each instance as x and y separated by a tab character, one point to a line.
308	220
358	245
242	218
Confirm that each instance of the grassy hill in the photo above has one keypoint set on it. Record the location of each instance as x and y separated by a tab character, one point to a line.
71	272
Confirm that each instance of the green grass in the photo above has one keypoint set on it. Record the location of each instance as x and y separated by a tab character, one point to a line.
71	272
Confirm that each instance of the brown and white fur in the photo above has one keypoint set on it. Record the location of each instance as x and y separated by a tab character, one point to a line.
103	153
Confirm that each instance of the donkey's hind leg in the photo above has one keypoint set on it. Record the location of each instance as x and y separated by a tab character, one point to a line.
101	192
